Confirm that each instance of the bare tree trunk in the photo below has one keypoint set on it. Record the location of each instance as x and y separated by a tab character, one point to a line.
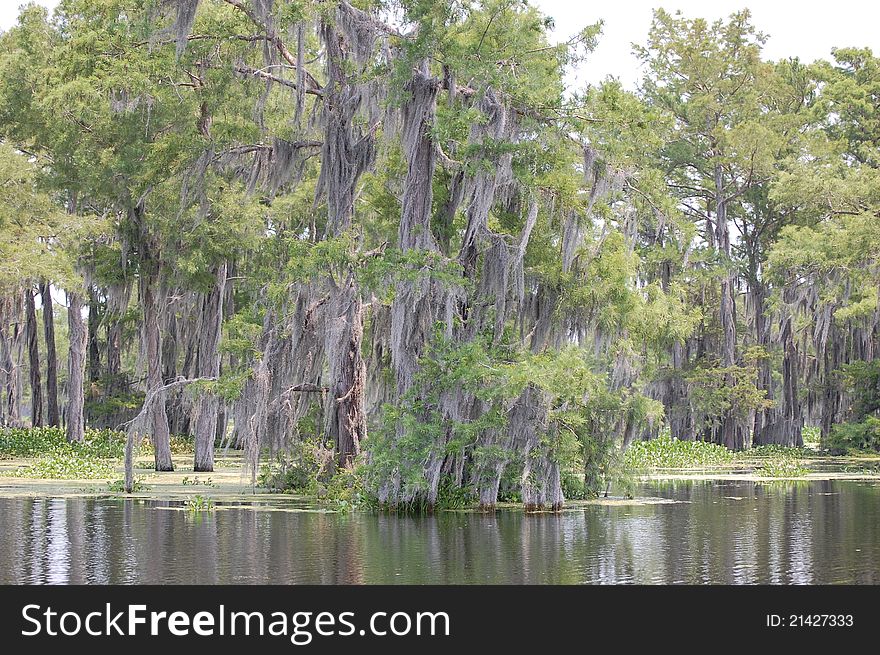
52	414
346	420
10	364
76	364
8	372
33	347
346	155
730	435
160	434
678	411
792	419
763	426
207	406
94	359
118	298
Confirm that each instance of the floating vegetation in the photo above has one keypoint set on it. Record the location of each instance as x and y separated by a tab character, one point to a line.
199	503
666	452
118	486
783	467
196	481
65	466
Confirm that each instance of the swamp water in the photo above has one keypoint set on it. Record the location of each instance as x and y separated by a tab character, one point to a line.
730	532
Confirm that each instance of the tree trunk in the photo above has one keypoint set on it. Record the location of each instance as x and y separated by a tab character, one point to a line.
10	374
345	156
792	419
730	434
52	414
76	365
118	298
346	423
207	406
10	357
94	367
33	348
161	435
763	419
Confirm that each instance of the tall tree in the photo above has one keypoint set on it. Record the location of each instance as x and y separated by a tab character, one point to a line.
709	77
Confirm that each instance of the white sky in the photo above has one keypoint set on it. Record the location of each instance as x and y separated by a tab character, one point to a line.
804	28
807	29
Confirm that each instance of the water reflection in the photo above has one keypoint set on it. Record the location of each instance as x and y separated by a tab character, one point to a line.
718	532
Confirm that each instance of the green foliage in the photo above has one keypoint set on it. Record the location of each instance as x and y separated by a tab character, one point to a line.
453	496
811	435
180	444
298	470
198	504
856	436
719	391
345	491
573	486
583	410
118	486
773	450
66	466
97	456
862	380
113	405
666	452
29	221
196	481
34	442
287	478
782	466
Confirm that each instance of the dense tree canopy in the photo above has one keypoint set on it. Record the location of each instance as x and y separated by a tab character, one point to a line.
385	233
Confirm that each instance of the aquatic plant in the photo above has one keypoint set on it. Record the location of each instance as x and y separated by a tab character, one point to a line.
196	481
118	486
199	503
666	452
100	444
782	467
66	466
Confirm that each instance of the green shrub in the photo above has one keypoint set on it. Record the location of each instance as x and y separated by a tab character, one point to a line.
811	434
297	470
284	477
773	450
862	436
345	490
23	442
509	494
573	487
180	444
452	496
100	444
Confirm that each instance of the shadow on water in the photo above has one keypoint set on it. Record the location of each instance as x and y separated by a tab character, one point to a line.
727	532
